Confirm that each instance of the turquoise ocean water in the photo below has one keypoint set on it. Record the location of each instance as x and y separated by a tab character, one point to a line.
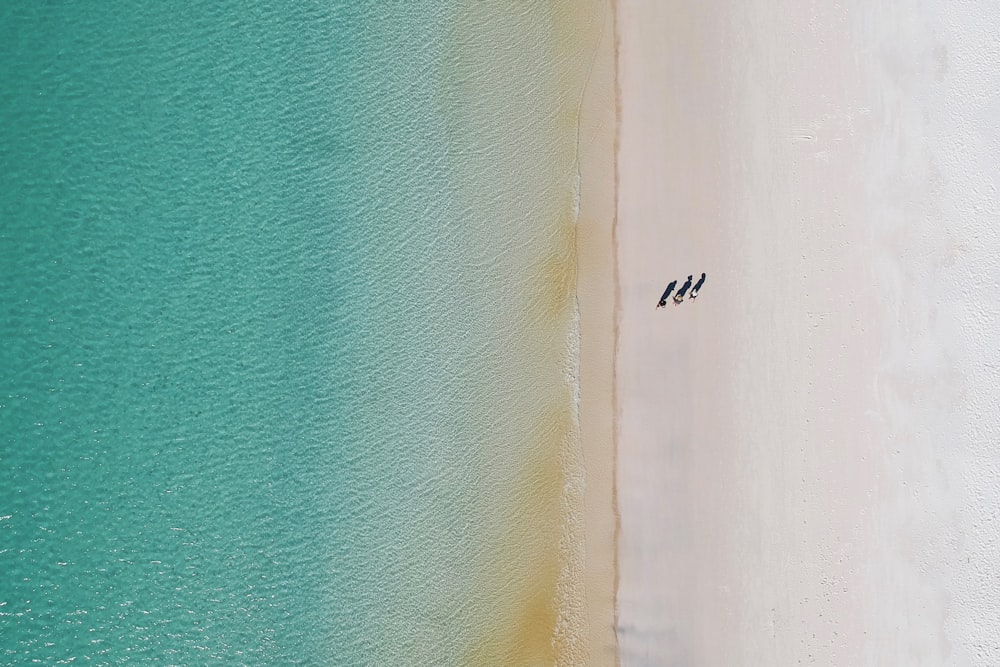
283	336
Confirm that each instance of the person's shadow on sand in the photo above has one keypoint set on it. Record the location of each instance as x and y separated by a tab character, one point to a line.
697	287
666	294
683	290
679	296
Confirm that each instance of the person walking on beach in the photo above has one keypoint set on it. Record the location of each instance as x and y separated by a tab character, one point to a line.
666	294
697	286
683	290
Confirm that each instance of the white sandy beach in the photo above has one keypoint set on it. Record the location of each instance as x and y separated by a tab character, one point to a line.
808	456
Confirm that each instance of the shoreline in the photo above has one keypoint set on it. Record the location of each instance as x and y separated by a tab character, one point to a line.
597	302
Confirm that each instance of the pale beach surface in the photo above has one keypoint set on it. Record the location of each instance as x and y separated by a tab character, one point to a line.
808	456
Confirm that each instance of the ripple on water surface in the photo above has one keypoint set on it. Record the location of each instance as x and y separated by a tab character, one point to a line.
287	300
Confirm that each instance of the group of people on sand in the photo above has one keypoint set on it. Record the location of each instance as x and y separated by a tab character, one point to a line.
679	296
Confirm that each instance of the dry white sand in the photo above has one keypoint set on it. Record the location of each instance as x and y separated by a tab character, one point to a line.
809	455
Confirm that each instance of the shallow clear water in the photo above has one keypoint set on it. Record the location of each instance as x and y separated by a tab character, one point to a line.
286	294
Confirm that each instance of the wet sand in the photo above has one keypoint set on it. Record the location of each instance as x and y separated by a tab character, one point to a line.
596	302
